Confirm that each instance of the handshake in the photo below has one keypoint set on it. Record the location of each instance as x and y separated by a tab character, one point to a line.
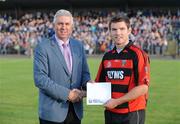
76	95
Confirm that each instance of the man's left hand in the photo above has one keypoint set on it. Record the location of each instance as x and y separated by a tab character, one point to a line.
110	104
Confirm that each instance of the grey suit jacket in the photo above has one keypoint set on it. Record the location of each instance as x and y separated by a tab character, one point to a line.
54	81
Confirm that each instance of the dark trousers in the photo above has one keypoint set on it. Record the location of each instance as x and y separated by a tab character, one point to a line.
137	117
70	119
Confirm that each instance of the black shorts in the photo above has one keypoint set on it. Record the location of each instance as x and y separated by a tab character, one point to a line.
136	117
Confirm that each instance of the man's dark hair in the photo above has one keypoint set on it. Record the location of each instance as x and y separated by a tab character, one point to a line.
120	19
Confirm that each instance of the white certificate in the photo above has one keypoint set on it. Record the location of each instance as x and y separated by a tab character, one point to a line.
98	93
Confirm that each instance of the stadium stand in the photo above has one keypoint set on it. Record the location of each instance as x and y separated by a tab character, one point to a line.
152	29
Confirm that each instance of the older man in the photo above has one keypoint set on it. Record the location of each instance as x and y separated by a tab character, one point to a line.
60	73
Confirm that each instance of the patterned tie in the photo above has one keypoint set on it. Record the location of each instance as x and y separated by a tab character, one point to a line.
67	56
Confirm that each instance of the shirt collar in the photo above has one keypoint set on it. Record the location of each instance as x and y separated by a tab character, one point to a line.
118	50
60	42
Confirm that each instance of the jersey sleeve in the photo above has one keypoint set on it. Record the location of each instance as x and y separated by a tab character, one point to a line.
143	69
100	77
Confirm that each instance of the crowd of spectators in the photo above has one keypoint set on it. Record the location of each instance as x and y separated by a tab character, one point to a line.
152	29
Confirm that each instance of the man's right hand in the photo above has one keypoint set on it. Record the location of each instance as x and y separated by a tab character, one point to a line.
75	95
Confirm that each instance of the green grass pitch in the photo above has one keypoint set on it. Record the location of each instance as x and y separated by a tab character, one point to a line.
19	96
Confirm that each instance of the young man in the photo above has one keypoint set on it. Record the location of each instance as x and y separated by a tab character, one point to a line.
60	72
127	68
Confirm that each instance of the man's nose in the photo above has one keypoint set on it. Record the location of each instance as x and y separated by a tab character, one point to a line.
118	31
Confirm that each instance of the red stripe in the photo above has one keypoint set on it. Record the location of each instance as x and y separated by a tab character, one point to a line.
118	63
121	111
117	94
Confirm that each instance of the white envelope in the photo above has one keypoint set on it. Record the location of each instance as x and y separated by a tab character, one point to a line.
98	93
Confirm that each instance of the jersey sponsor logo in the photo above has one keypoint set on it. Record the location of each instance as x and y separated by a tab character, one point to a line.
124	62
115	75
108	65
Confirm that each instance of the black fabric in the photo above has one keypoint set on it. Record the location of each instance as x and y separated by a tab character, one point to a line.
124	105
70	119
41	121
119	88
137	117
127	71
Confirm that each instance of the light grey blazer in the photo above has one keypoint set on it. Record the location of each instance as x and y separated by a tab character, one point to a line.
54	81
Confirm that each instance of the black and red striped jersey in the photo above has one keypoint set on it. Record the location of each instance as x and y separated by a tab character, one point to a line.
125	70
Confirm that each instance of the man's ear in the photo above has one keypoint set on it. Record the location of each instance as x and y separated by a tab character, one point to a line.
72	28
129	30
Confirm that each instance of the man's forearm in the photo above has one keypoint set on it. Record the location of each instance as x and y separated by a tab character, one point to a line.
133	94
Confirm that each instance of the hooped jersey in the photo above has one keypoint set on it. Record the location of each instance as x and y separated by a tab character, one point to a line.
125	70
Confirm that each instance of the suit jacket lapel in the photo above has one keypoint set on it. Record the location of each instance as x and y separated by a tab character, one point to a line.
59	54
74	54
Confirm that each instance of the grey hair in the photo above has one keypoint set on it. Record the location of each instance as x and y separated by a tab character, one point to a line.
63	12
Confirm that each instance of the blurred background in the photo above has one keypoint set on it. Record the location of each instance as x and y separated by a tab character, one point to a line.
155	24
155	28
